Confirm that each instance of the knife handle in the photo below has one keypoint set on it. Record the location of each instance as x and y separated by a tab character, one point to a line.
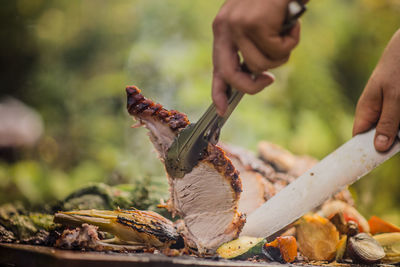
295	9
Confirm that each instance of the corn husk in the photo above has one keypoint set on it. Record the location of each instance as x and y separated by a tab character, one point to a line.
391	245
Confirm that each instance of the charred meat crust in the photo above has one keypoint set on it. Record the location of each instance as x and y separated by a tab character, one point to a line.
237	224
217	157
138	104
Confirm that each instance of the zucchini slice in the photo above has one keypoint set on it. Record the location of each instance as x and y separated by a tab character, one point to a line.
242	248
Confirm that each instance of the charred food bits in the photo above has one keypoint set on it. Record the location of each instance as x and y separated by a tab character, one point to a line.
134	227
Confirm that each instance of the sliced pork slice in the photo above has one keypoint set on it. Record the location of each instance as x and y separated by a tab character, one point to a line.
249	161
255	189
285	161
207	197
274	179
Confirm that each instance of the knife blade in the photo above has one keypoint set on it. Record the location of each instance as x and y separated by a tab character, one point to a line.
344	166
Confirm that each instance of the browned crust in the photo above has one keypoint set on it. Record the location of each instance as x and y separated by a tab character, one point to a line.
216	156
138	104
237	224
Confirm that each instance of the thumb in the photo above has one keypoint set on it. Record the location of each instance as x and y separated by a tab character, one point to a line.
368	108
388	124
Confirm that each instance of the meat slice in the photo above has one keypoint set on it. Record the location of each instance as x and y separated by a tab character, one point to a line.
249	161
207	197
284	160
255	189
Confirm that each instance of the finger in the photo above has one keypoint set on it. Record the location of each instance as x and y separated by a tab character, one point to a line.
368	108
219	94
227	66
225	58
294	34
388	124
249	84
255	60
276	46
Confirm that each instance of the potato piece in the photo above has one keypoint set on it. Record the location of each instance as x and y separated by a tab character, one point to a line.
317	238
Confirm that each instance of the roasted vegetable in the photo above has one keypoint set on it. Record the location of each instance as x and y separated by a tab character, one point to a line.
339	222
317	238
391	245
242	248
341	248
283	249
329	209
132	227
377	225
363	248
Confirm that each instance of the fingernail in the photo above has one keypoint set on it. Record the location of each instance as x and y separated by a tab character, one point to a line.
381	140
270	74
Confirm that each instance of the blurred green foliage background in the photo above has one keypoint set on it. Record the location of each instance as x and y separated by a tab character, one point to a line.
71	60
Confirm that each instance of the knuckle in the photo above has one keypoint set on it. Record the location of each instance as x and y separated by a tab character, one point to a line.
374	80
249	23
386	126
219	23
392	92
257	67
238	21
281	54
226	73
235	20
216	71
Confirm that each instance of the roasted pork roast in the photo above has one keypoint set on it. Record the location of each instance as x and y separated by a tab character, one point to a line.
207	197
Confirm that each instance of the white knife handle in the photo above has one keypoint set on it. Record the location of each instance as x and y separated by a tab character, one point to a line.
344	166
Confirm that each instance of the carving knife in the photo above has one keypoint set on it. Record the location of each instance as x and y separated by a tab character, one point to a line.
191	143
344	166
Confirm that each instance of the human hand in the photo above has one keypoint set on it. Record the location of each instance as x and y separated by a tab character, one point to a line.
251	27
379	104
